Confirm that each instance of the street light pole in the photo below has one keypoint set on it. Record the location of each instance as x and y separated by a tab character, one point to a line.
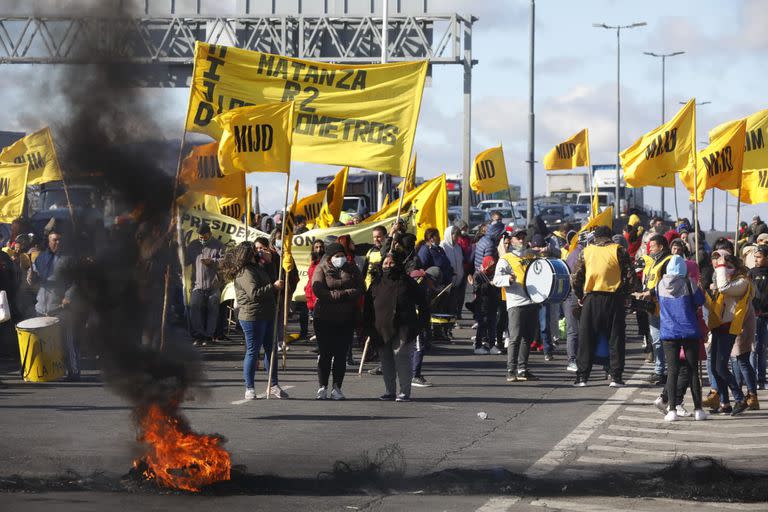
663	57
531	117
617	28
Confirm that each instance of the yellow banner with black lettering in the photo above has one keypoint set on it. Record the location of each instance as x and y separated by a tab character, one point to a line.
719	164
234	207
655	157
200	172
310	206
256	138
489	173
198	201
13	189
359	115
333	201
288	263
572	152
755	148
38	151
409	182
754	186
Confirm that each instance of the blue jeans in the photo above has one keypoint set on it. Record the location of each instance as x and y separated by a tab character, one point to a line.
572	327
758	356
744	372
546	335
258	333
654	325
722	344
710	371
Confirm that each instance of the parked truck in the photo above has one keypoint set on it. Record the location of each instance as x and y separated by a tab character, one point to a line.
566	186
604	180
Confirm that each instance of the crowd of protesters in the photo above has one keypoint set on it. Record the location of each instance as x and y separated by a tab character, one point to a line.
399	293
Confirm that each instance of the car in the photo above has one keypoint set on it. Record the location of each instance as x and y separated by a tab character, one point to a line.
476	216
494	204
521	213
555	214
581	213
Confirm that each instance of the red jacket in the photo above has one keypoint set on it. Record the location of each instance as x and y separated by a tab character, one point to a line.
308	293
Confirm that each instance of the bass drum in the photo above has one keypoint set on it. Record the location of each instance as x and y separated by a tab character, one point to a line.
547	280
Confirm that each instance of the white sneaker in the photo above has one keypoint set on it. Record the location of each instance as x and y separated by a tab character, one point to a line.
250	394
572	367
670	417
322	393
700	415
336	394
474	326
496	350
481	351
473	338
313	337
661	405
277	392
682	411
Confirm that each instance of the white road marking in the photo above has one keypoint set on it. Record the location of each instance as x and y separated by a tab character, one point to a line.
722	422
641	465
684	444
498	504
260	396
633	451
687	431
578	436
576	506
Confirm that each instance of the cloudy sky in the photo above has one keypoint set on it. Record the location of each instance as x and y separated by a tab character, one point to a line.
575	74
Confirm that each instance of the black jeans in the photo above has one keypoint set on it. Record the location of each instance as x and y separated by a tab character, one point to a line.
603	313
204	313
502	323
301	309
333	341
672	357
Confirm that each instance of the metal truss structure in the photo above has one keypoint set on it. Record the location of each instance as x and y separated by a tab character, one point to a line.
159	42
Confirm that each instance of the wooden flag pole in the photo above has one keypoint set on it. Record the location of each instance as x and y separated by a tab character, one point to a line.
285	312
281	275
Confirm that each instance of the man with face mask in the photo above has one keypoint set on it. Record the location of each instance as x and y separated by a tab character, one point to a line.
523	314
488	244
205	254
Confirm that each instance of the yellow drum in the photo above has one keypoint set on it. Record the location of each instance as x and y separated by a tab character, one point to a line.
41	348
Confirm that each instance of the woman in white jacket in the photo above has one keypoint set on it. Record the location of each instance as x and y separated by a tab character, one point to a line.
456	258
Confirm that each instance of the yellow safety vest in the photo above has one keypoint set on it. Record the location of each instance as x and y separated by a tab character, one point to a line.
602	268
716	311
519	265
374	258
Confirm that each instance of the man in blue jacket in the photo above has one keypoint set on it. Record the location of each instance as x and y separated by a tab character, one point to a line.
488	244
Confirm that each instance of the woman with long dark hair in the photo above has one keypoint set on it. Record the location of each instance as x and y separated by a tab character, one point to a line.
251	267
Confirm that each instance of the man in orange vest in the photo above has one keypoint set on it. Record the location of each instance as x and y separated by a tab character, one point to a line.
603	279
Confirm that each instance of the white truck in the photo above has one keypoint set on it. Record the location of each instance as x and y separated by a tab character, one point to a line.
604	180
566	186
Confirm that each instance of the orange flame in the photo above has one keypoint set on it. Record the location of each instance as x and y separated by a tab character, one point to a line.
178	458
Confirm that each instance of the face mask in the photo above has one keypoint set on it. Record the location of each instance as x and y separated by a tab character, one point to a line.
204	241
278	244
338	261
259	255
729	272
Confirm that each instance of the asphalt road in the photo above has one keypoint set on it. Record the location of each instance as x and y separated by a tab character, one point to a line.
540	440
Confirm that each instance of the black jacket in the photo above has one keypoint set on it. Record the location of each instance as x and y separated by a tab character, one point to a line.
395	301
759	277
487	296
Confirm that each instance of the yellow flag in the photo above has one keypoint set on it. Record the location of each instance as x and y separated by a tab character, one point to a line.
755	148
719	164
334	199
13	189
754	186
359	115
655	157
409	182
289	225
200	172
256	138
198	201
489	174
431	207
595	203
310	206
385	202
38	150
234	207
602	219
570	153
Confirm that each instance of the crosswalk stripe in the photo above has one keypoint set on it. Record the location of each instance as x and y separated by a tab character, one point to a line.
498	504
728	423
633	451
684	444
576	506
688	432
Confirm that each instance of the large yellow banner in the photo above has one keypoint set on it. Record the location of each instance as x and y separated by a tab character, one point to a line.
605	218
360	115
38	151
719	164
655	157
754	186
572	152
198	201
489	172
200	172
409	182
13	189
256	138
755	148
333	200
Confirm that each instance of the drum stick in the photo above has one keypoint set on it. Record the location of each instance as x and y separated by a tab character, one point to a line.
362	359
439	294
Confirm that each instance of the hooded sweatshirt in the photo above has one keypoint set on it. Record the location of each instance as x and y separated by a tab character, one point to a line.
454	254
512	281
678	299
487	245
